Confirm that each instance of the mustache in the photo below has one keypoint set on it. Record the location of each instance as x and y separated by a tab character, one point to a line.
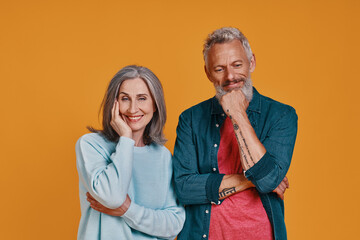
247	89
228	82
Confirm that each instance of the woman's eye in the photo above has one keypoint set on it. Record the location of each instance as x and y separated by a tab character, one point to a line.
142	98
124	98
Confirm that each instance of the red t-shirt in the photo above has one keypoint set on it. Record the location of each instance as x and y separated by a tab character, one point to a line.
242	215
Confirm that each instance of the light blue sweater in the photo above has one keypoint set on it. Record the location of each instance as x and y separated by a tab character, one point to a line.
110	171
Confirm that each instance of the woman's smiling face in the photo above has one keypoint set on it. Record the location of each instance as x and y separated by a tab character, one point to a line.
136	104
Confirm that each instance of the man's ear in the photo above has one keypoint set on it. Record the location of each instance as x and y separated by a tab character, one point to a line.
207	73
252	63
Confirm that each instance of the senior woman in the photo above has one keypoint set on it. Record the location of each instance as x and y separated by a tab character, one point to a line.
125	172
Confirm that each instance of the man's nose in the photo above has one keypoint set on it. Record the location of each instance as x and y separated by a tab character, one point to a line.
230	74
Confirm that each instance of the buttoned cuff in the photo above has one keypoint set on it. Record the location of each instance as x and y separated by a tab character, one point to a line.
212	187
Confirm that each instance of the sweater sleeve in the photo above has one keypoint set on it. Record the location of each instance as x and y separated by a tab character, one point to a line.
165	222
106	177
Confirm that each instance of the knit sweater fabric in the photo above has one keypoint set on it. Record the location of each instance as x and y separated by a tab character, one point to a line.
109	171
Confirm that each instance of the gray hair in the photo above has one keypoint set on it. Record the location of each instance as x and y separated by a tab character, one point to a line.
223	35
247	90
154	130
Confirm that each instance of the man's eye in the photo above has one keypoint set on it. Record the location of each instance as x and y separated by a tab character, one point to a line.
218	69
238	65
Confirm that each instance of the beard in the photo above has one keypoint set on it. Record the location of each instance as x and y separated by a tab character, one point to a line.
247	89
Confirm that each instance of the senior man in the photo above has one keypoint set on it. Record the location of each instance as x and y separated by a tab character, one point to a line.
233	151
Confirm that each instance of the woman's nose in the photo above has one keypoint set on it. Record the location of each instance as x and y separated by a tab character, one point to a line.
133	107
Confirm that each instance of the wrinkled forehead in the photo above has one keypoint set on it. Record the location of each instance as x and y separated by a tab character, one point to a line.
132	85
228	51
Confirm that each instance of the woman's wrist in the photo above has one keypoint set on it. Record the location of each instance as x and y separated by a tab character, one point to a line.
128	135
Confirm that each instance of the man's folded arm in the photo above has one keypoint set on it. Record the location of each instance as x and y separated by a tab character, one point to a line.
191	186
272	168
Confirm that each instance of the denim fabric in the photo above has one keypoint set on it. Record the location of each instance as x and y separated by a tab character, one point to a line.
197	179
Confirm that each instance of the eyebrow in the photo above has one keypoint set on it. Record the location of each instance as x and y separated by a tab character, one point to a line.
219	65
138	95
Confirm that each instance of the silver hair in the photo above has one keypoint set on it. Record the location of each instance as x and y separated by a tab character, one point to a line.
223	35
154	130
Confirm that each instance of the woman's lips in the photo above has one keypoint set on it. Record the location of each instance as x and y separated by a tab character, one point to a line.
134	118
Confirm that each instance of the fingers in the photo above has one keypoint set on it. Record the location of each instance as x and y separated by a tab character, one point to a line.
88	195
281	195
279	192
234	95
116	117
284	184
234	101
283	187
95	208
95	204
113	212
286	181
113	110
116	113
90	199
98	207
122	118
112	123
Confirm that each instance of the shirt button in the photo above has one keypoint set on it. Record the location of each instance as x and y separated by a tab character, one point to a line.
215	145
214	169
204	236
217	125
222	114
206	211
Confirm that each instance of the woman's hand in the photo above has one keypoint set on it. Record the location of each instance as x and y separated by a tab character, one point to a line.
118	123
113	212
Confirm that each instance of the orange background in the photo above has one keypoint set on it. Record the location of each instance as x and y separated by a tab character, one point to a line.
57	57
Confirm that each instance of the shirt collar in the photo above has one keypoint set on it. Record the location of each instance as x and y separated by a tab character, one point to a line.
254	106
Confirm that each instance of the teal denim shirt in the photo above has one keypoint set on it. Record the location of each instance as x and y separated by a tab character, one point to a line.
197	179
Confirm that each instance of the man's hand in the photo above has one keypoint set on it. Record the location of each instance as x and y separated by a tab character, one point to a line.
234	102
113	212
251	149
280	190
